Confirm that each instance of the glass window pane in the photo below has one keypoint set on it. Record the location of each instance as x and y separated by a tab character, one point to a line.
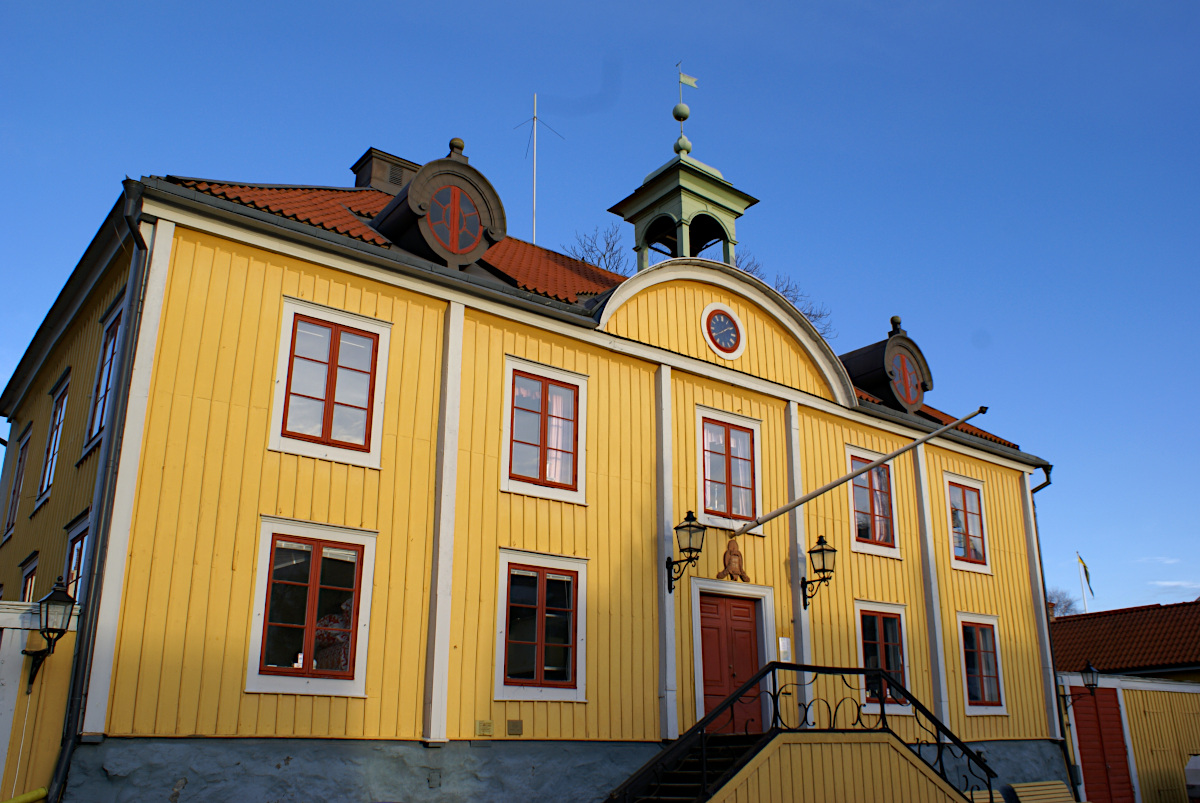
740	443
714	467
976	549
349	425
525	460
879	476
527	393
862	499
883	505
862	526
956	500
891	630
895	662
870	655
558	591
969	638
338	567
292	561
331	650
960	549
558	628
991	689
522	623
743	502
562	402
972	501
308	377
521	660
883	531
714	438
522	588
288	605
560	467
335	608
312	341
527	427
557	666
305	416
987	639
352	387
354	351
974	524
285	647
560	434
714	497
973	688
742	472
870	628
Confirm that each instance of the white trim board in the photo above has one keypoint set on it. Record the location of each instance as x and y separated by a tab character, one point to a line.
668	672
765	613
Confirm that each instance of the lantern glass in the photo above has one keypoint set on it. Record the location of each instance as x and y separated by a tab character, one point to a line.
690	534
55	611
1090	676
823	558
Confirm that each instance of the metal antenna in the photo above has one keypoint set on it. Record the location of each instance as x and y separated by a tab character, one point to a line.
533	141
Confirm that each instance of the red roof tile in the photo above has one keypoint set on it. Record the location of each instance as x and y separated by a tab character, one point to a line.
1149	637
942	418
530	267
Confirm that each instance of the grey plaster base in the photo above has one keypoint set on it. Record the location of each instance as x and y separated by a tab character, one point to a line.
1017	761
279	770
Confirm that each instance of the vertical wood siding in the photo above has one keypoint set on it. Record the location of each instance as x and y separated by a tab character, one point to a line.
614	531
852	768
1164	728
33	743
206	478
668	315
75	474
1004	593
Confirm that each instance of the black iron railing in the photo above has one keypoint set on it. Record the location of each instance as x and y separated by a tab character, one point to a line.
787	698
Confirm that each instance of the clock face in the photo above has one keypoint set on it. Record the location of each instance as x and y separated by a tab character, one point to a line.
724	331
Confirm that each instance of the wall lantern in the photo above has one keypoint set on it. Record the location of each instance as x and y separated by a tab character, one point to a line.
823	558
1090	676
54	617
690	534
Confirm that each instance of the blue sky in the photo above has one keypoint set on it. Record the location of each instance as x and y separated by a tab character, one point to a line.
1020	181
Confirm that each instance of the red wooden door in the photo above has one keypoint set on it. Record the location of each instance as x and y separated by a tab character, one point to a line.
1102	750
729	650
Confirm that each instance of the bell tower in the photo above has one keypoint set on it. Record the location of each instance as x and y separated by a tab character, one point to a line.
684	206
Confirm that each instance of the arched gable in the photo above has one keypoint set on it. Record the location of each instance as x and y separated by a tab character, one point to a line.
663	306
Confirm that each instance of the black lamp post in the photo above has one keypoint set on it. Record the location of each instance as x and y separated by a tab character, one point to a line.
823	558
54	617
690	534
1090	676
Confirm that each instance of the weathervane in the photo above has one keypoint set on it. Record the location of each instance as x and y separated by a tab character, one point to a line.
681	111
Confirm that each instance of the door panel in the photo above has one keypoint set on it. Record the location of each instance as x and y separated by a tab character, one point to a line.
729	650
1102	750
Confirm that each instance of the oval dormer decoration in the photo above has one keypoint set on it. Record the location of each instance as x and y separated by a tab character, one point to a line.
448	213
894	370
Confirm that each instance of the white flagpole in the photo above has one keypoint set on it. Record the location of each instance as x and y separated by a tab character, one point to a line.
533	239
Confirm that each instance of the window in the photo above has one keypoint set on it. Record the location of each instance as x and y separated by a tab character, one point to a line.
730	467
544	432
28	577
882	635
104	376
76	546
983	685
312	609
18	479
540	627
454	220
967	535
52	442
329	384
544	415
872	505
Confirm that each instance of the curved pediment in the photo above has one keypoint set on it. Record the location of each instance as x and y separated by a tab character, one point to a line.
722	315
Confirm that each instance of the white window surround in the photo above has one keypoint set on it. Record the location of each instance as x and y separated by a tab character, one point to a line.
114	310
764	613
278	442
578	496
14	448
717	306
862	606
558	563
981	710
955	562
289	684
755	426
859	546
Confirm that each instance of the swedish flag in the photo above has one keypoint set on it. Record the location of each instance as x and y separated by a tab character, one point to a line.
1086	574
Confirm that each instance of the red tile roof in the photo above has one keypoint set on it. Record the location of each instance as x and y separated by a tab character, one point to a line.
943	418
346	211
1149	637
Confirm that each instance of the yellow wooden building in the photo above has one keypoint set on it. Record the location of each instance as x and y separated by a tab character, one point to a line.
387	501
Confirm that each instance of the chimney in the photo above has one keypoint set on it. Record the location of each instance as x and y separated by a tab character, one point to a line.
382	171
1050	609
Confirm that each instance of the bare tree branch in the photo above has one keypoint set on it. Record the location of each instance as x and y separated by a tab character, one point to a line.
602	249
818	314
1065	604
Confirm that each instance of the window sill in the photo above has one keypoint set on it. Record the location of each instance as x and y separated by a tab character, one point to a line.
320	451
866	548
41	500
90	447
7	537
574	497
290	684
966	566
893	710
549	693
986	710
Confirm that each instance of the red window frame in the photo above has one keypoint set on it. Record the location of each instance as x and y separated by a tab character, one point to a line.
53	441
728	483
310	617
881	645
979	653
875	516
75	551
969	535
454	218
331	369
10	520
544	447
541	612
108	354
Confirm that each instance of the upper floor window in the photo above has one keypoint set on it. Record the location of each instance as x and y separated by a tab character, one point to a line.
104	377
53	440
330	382
544	432
28	577
983	684
873	504
730	467
18	480
312	609
540	629
75	550
966	521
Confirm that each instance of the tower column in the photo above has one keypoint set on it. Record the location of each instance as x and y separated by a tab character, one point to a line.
683	246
